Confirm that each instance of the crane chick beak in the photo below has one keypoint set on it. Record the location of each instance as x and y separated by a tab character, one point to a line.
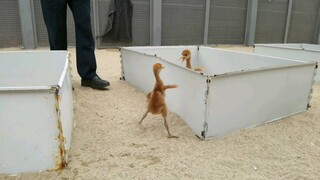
182	58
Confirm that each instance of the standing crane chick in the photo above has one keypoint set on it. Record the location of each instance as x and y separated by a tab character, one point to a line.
156	98
186	56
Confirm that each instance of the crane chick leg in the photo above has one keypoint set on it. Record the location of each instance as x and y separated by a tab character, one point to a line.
144	116
164	115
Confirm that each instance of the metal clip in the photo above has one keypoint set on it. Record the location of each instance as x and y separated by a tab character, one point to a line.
205	130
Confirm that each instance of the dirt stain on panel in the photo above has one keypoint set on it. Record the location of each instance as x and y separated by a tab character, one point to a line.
61	157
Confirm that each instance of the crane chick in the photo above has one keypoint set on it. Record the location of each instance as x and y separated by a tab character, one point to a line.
186	56
156	98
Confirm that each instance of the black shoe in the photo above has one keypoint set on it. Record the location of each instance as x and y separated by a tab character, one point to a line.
96	83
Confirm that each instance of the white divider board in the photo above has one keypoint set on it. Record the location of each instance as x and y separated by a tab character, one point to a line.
169	53
243	100
255	88
30	68
27	131
304	52
219	61
244	90
28	118
66	109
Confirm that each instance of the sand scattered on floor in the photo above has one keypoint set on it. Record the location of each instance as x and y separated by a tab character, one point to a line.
108	143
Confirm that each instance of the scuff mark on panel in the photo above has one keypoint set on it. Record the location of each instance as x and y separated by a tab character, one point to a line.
311	90
122	68
206	102
61	157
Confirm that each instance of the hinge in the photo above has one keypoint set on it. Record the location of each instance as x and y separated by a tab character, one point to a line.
308	106
206	93
206	99
55	89
205	130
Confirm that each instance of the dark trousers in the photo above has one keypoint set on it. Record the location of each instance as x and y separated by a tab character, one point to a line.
55	17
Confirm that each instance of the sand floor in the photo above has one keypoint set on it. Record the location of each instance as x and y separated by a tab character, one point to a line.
107	142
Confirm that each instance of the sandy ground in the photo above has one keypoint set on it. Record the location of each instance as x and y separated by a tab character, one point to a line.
108	143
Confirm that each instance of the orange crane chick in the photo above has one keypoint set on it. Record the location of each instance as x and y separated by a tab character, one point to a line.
186	56
156	98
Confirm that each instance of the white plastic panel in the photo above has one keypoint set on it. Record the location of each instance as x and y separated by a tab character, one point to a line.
219	61
311	47
27	68
253	98
169	53
304	52
187	100
137	69
28	131
279	45
36	110
66	109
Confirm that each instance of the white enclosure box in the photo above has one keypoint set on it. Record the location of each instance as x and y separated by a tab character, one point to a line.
36	110
305	52
237	90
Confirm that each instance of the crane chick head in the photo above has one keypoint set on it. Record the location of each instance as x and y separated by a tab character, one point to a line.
157	67
186	54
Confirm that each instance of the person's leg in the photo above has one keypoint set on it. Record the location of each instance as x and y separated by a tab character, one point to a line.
54	13
86	60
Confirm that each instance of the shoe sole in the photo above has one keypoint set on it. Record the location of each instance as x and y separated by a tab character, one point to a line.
95	87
